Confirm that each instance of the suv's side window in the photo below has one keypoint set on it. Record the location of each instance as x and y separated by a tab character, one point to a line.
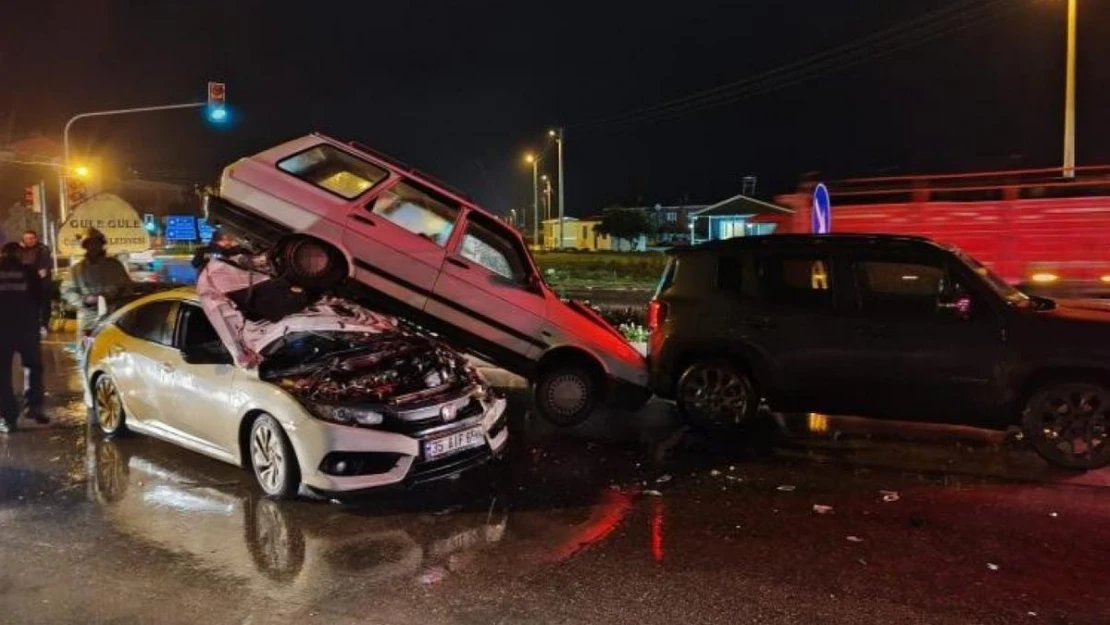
150	322
484	245
802	281
898	288
418	211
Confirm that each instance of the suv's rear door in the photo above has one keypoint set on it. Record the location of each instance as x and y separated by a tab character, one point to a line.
398	240
792	316
913	359
485	289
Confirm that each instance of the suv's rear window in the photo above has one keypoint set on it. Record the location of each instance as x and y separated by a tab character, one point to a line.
334	170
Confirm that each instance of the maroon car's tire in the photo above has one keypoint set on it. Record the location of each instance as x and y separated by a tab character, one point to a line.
716	396
1068	423
565	396
309	262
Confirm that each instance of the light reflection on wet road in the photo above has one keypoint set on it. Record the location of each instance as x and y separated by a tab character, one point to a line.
628	520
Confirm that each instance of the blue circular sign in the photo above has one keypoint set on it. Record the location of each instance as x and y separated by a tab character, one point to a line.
821	217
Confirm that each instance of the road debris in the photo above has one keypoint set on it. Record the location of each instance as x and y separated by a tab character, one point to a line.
653	493
823	509
855	539
663	479
890	496
714	472
786	488
1053	514
433	575
992	566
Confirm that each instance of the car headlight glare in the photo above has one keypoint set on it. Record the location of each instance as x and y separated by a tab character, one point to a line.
348	415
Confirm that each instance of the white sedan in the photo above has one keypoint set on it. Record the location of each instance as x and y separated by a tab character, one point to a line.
344	399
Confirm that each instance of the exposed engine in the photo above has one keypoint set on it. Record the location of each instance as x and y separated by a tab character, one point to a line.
394	368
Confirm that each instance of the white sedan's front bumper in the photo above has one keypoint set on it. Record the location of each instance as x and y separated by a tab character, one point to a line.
314	440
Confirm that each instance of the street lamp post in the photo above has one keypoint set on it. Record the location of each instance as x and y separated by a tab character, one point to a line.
63	204
557	134
1069	97
535	162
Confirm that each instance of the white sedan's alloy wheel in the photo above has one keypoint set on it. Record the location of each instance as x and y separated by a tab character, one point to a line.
275	466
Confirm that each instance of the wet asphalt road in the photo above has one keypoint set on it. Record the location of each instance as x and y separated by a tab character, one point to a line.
627	520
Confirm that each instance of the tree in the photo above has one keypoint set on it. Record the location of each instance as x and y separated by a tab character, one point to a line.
625	224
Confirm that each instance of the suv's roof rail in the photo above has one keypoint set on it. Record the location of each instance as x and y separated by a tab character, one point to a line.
408	169
848	238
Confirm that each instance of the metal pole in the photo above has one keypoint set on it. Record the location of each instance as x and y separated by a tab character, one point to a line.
1069	98
65	138
559	140
536	202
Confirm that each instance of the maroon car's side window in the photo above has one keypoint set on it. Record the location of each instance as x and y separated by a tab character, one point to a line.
492	250
418	211
334	170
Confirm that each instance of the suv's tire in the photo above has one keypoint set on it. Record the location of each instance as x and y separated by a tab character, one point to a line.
272	459
716	396
565	396
1068	423
309	262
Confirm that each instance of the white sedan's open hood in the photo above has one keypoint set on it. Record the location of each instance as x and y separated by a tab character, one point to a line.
245	338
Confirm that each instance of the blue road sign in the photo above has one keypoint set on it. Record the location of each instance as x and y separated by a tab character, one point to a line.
821	221
206	231
181	228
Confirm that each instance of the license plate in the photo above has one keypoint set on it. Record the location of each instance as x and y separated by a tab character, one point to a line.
447	445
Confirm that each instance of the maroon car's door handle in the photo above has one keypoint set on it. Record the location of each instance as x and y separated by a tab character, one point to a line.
364	219
459	263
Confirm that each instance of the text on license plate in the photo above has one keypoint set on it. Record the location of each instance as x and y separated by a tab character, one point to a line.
456	442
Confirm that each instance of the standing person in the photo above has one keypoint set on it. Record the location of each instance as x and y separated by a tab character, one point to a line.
20	289
220	245
37	257
97	275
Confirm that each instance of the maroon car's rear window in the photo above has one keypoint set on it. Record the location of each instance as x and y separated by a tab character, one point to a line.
334	170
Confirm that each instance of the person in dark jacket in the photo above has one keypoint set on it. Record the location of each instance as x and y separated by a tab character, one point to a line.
95	277
21	291
37	256
220	245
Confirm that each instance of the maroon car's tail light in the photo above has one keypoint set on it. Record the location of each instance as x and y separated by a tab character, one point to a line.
656	314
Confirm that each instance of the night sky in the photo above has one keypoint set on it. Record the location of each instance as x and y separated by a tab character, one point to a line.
463	89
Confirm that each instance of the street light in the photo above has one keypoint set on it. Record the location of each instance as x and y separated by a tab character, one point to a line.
557	134
532	160
1069	94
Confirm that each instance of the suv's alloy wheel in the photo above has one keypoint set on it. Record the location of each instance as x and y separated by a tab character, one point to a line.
716	395
1068	424
110	415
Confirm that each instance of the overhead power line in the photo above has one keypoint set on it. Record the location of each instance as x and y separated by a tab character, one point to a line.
917	31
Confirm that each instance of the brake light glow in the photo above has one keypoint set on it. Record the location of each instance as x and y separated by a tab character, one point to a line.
656	314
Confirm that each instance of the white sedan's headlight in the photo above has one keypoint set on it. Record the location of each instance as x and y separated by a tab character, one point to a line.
347	415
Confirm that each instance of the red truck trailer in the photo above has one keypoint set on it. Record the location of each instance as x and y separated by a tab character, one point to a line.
1032	227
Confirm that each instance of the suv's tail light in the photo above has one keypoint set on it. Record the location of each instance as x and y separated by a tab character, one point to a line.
656	314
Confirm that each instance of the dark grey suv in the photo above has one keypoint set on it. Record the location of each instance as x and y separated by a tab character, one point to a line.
878	326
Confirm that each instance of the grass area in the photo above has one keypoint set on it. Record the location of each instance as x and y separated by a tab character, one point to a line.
580	270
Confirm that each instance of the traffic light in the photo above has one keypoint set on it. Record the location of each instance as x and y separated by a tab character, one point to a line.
76	191
217	102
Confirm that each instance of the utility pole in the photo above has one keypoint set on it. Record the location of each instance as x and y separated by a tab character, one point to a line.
1069	97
